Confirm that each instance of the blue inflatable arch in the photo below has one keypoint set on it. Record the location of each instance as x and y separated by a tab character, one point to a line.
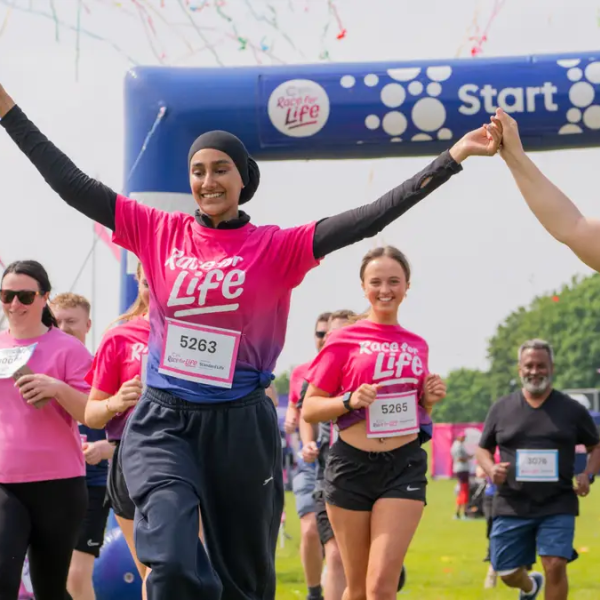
343	111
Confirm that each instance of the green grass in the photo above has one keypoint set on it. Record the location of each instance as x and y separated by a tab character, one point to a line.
445	559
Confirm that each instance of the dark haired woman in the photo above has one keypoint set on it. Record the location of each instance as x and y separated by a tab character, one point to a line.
43	494
373	379
204	433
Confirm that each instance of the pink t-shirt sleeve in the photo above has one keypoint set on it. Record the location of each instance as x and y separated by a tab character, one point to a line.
105	375
296	379
326	370
78	362
136	224
295	252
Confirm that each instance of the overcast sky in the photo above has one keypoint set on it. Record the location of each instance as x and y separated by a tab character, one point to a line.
476	251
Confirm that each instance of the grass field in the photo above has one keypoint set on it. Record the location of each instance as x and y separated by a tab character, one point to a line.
445	559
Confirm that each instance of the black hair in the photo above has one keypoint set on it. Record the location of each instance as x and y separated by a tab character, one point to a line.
36	271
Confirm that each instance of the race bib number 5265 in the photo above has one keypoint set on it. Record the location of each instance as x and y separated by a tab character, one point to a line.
199	353
393	415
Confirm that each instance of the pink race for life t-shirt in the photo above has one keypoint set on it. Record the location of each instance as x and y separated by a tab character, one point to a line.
297	378
119	358
42	444
223	293
370	353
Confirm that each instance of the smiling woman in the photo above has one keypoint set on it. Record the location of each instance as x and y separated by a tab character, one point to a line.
43	495
215	337
372	379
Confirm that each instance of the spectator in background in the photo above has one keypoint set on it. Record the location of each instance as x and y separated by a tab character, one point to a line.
316	441
461	467
311	550
72	313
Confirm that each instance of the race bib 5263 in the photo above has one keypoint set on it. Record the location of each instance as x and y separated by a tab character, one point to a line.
199	353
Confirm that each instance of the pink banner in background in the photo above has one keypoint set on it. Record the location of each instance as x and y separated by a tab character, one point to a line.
104	236
443	436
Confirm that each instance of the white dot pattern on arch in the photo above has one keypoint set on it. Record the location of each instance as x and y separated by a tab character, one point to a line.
583	113
428	114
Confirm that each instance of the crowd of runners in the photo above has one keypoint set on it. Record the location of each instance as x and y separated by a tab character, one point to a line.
172	422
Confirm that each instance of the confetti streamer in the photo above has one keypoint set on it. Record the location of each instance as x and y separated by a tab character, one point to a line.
342	30
201	35
479	40
149	30
173	39
69	27
473	25
78	39
199	8
273	23
55	16
169	25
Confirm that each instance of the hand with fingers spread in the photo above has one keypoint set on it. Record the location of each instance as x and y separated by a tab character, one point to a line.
364	396
126	397
500	472
434	390
38	389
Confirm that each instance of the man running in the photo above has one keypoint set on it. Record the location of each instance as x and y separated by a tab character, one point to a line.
72	313
311	551
536	430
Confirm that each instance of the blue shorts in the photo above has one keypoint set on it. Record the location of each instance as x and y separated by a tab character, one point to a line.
303	487
514	541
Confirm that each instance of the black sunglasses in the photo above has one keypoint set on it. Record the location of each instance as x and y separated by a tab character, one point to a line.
25	297
320	334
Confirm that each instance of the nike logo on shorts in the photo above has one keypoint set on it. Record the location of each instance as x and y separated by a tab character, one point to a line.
267	480
92	543
411	489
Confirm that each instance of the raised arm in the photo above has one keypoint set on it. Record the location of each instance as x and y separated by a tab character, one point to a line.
349	227
88	196
552	208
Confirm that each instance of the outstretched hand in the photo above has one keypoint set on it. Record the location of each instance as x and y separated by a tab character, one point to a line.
511	146
6	102
484	141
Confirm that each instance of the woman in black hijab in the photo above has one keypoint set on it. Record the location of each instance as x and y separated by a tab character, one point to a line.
190	443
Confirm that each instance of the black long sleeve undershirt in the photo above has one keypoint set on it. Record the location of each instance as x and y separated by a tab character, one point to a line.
98	202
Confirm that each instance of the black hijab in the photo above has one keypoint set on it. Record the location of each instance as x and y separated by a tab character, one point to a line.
235	149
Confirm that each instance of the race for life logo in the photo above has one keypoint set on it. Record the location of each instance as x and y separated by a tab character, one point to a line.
299	108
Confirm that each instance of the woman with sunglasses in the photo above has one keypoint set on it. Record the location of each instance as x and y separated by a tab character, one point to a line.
43	493
373	379
204	433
